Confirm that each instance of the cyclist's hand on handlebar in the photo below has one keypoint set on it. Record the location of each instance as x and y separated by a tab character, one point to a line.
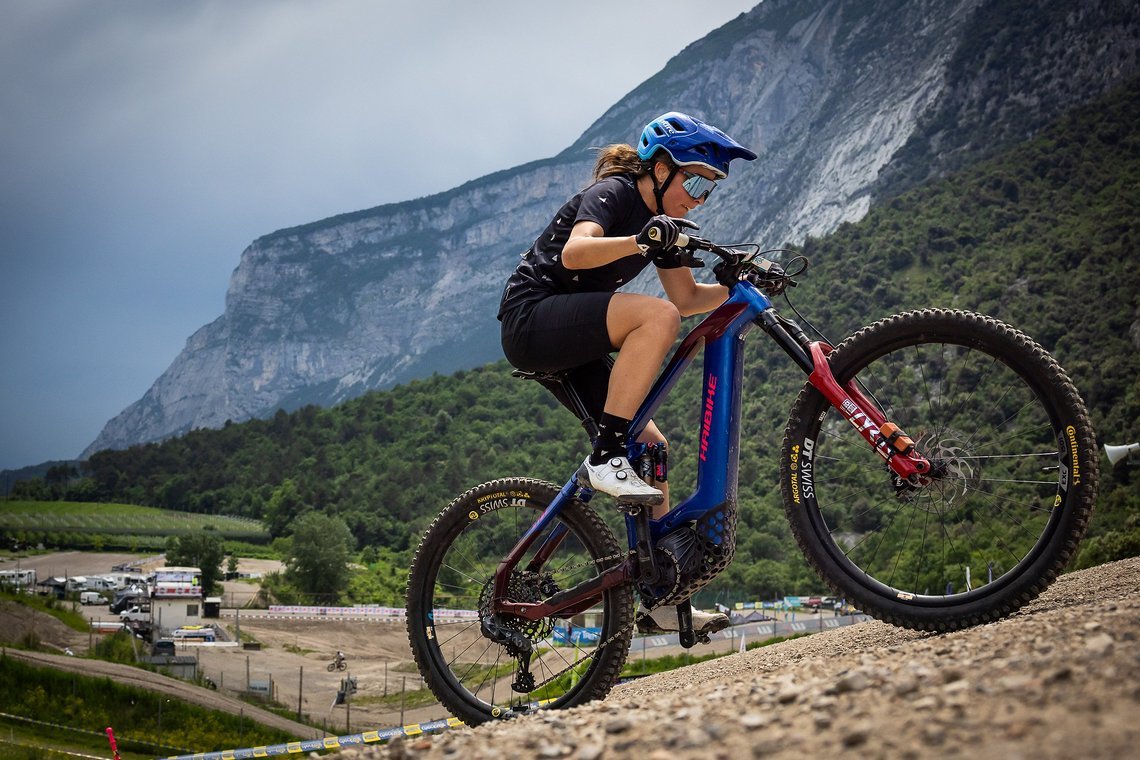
773	282
658	240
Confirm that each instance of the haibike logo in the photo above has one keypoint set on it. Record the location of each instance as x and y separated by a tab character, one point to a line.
706	420
1072	433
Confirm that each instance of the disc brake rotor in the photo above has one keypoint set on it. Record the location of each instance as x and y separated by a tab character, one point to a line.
955	470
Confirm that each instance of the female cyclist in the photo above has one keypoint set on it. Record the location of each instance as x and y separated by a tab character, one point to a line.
560	310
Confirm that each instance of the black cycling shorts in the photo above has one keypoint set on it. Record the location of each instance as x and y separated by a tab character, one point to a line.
564	333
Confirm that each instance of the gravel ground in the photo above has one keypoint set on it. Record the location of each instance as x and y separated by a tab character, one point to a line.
1059	679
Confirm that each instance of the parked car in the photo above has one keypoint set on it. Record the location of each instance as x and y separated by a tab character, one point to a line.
135	615
195	632
91	597
127	598
163	647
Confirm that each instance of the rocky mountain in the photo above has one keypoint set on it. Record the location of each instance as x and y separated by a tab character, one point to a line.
846	102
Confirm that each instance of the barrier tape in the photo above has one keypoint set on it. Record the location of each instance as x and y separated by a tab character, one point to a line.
51	750
325	743
101	734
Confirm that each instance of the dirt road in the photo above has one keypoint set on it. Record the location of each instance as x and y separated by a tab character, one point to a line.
187	692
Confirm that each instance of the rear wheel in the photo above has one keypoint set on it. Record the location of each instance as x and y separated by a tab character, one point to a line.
480	676
1015	461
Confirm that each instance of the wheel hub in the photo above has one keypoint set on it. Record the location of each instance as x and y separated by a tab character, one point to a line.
954	470
526	587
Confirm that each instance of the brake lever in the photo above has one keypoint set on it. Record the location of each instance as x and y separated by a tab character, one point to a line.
688	259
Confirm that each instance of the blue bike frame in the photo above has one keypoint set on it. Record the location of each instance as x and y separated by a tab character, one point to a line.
722	335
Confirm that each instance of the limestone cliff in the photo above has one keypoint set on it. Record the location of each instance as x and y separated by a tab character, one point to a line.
844	101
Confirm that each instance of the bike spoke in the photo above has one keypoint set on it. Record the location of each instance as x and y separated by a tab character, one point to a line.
973	511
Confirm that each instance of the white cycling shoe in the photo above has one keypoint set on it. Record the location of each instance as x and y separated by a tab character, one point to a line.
664	620
617	478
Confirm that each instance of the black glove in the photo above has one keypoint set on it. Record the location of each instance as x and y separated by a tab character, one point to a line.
658	240
773	282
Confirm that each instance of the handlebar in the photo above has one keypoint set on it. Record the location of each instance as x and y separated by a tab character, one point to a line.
736	265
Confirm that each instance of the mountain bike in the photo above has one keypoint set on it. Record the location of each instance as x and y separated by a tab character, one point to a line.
938	470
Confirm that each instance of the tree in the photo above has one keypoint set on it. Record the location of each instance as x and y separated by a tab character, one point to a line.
203	549
317	561
284	506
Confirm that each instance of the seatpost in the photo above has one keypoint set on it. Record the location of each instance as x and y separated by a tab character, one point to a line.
579	408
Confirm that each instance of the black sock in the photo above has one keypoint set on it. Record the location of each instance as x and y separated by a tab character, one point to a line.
611	438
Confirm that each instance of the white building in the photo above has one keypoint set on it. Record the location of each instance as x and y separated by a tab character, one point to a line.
18	580
175	597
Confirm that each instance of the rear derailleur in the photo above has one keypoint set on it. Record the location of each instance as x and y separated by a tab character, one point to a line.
517	645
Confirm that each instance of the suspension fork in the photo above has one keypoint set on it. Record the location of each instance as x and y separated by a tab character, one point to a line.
885	437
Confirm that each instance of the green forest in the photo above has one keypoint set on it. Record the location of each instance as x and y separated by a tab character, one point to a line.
1043	236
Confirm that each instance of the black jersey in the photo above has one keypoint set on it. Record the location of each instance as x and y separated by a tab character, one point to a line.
615	204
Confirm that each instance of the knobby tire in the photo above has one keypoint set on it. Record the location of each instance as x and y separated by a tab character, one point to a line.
450	577
1019	472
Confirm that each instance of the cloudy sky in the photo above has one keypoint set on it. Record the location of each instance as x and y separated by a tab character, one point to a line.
145	143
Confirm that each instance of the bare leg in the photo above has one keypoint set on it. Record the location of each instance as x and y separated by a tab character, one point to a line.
643	328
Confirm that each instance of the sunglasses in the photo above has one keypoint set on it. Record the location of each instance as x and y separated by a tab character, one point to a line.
697	187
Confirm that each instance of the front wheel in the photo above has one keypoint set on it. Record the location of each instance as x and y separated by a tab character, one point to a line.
1015	465
572	658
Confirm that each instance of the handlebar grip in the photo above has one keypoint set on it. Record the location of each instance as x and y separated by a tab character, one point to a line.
682	240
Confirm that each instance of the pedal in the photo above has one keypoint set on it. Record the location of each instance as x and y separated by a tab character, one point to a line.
714	626
582	478
647	625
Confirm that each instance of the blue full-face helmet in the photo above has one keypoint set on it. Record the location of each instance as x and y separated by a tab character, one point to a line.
691	142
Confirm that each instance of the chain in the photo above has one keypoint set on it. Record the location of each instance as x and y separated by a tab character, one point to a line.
609	640
624	631
598	562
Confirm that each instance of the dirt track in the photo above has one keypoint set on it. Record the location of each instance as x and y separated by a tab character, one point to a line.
1060	679
131	676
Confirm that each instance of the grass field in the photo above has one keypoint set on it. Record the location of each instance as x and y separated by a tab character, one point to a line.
78	523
